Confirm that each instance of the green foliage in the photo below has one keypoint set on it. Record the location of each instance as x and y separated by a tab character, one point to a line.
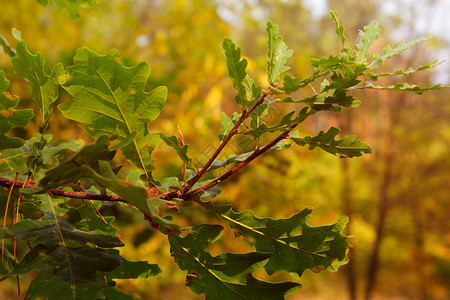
278	54
9	116
45	88
346	147
226	276
71	6
110	98
293	245
71	244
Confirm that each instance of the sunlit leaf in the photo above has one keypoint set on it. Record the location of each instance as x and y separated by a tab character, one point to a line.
369	35
71	6
227	124
236	70
11	117
172	141
278	54
110	98
44	87
346	147
406	87
339	27
408	71
398	48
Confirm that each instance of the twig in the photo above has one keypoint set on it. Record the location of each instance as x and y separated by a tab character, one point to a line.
254	155
8	183
224	142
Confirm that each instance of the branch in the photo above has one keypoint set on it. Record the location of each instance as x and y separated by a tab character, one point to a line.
62	193
242	164
224	142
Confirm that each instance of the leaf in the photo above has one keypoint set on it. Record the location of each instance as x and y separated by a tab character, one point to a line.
236	70
51	287
253	92
110	98
134	195
368	36
9	116
6	47
294	245
226	276
71	6
69	171
45	230
67	250
172	141
44	87
347	147
291	85
284	124
278	54
408	71
406	87
399	48
339	28
132	269
227	124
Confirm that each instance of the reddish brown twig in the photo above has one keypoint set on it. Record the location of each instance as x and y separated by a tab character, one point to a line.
225	141
8	183
242	164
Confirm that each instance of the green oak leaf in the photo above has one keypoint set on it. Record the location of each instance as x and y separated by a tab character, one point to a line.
71	6
110	98
69	171
278	54
408	71
132	269
236	70
388	52
368	36
227	124
339	27
50	286
172	141
294	245
226	276
11	117
346	147
134	195
44	87
406	87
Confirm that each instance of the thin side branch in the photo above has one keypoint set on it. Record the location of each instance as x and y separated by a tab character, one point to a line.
249	159
225	141
8	183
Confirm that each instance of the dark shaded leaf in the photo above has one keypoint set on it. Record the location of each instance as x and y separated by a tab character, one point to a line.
226	276
294	245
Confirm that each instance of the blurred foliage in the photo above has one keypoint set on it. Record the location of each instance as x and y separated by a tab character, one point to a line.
181	40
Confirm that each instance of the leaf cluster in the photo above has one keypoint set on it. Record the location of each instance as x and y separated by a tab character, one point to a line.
71	245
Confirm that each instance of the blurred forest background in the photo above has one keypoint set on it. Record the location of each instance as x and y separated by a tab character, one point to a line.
398	199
